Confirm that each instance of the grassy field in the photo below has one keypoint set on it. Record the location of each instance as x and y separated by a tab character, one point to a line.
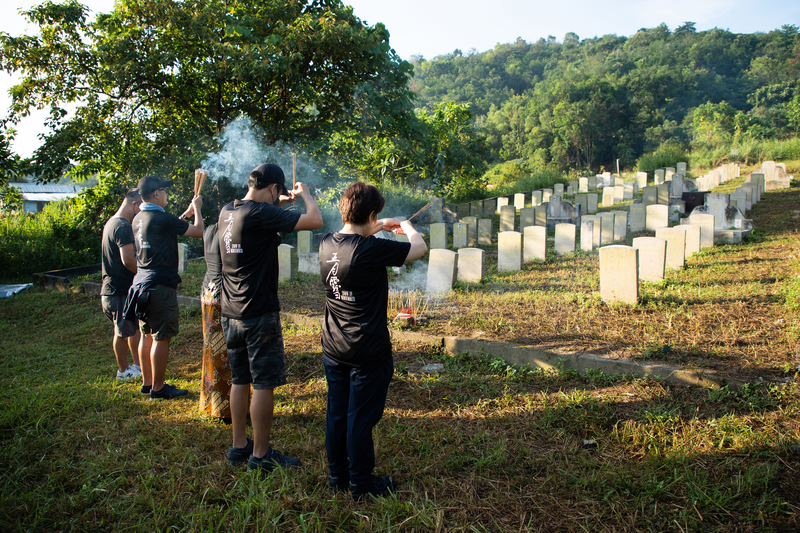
479	447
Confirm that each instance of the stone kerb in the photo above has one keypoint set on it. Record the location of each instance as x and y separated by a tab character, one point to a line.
509	251
534	244
470	265
676	247
442	269
652	258
565	238
619	274
287	262
657	216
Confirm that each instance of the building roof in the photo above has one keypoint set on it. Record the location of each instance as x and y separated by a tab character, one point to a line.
47	192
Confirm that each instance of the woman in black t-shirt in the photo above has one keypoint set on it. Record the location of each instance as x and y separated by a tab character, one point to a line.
357	352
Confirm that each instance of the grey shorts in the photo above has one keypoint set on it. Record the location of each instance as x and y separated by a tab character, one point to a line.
162	314
255	350
112	308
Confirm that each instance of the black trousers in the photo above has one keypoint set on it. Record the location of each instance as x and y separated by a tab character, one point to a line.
356	398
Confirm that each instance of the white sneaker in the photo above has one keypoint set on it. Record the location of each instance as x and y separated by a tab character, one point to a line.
128	374
136	367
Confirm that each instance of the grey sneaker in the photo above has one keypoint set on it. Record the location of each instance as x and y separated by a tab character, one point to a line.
271	460
239	456
129	374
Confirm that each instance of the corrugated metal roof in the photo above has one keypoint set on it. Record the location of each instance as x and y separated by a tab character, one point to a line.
47	188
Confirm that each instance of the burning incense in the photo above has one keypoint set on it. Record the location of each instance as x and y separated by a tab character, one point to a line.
200	176
294	169
426	206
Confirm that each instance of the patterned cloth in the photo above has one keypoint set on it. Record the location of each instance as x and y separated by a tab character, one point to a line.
215	388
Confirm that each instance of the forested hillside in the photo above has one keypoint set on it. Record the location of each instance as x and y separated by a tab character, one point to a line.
582	104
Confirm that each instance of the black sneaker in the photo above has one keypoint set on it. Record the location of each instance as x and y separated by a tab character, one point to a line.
337	484
167	391
375	487
239	456
271	460
146	389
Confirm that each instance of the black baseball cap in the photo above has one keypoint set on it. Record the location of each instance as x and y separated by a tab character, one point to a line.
149	184
267	173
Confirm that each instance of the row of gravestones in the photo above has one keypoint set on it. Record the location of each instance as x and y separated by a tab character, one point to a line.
622	267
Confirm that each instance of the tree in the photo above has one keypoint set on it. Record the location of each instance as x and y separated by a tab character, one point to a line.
157	79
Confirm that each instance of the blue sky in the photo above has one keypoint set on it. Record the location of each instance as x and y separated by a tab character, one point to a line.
434	27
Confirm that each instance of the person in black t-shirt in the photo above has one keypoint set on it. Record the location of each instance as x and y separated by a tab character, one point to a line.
156	282
248	246
119	267
356	348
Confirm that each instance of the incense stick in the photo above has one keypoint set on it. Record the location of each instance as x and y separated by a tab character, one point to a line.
294	169
420	211
200	176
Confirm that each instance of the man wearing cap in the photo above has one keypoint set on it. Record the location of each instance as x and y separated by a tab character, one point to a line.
248	243
153	295
119	267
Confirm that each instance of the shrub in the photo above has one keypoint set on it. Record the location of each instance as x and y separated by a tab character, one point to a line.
667	155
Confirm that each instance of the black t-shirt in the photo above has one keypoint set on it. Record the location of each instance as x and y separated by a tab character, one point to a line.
117	279
353	270
156	240
248	245
213	261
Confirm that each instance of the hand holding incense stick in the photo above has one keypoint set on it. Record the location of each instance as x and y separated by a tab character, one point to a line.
426	206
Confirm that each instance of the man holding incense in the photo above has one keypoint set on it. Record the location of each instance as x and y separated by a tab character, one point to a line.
248	245
356	348
154	296
119	267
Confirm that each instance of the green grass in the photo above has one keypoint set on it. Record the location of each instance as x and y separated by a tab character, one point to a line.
479	447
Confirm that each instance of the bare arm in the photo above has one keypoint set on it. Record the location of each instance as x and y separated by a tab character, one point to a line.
196	229
418	246
312	218
128	257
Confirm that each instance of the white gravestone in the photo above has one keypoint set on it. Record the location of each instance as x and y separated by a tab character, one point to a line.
536	198
472	230
509	251
706	224
459	235
619	274
620	225
526	217
676	247
652	258
501	201
519	200
535	243
637	217
183	256
565	238
438	236
596	229
692	238
591	201
485	231
657	217
507	215
308	263
540	215
470	265
287	262
608	196
441	271
587	235
606	228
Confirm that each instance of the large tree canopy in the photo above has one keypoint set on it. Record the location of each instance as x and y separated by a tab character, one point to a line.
155	80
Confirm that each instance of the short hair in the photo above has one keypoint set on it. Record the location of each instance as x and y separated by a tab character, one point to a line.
132	196
359	201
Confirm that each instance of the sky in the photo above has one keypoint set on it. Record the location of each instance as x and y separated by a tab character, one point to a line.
430	28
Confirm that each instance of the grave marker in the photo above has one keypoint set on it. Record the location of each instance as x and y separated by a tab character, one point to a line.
565	238
507	215
535	243
619	274
441	271
509	250
676	247
470	265
652	258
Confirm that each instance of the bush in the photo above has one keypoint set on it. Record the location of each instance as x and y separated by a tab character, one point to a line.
50	240
667	155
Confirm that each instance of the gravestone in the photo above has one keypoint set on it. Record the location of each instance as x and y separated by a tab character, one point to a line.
587	234
501	201
619	193
476	209
637	217
692	238
663	194
558	189
582	200
540	215
287	262
534	243
628	191
436	216
619	274
183	256
304	242
641	180
650	196
596	229
470	265
608	196
472	230
509	250
657	217
706	223
669	172
489	207
620	224
565	238
738	200
536	198
583	184
658	178
526	217
606	227
507	215
462	210
519	200
460	235
591	202
308	263
438	236
560	212
652	258
574	185
676	247
442	271
618	181
676	188
485	231
681	168
546	194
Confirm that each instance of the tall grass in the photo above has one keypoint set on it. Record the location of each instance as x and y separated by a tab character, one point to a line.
667	155
749	152
49	240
